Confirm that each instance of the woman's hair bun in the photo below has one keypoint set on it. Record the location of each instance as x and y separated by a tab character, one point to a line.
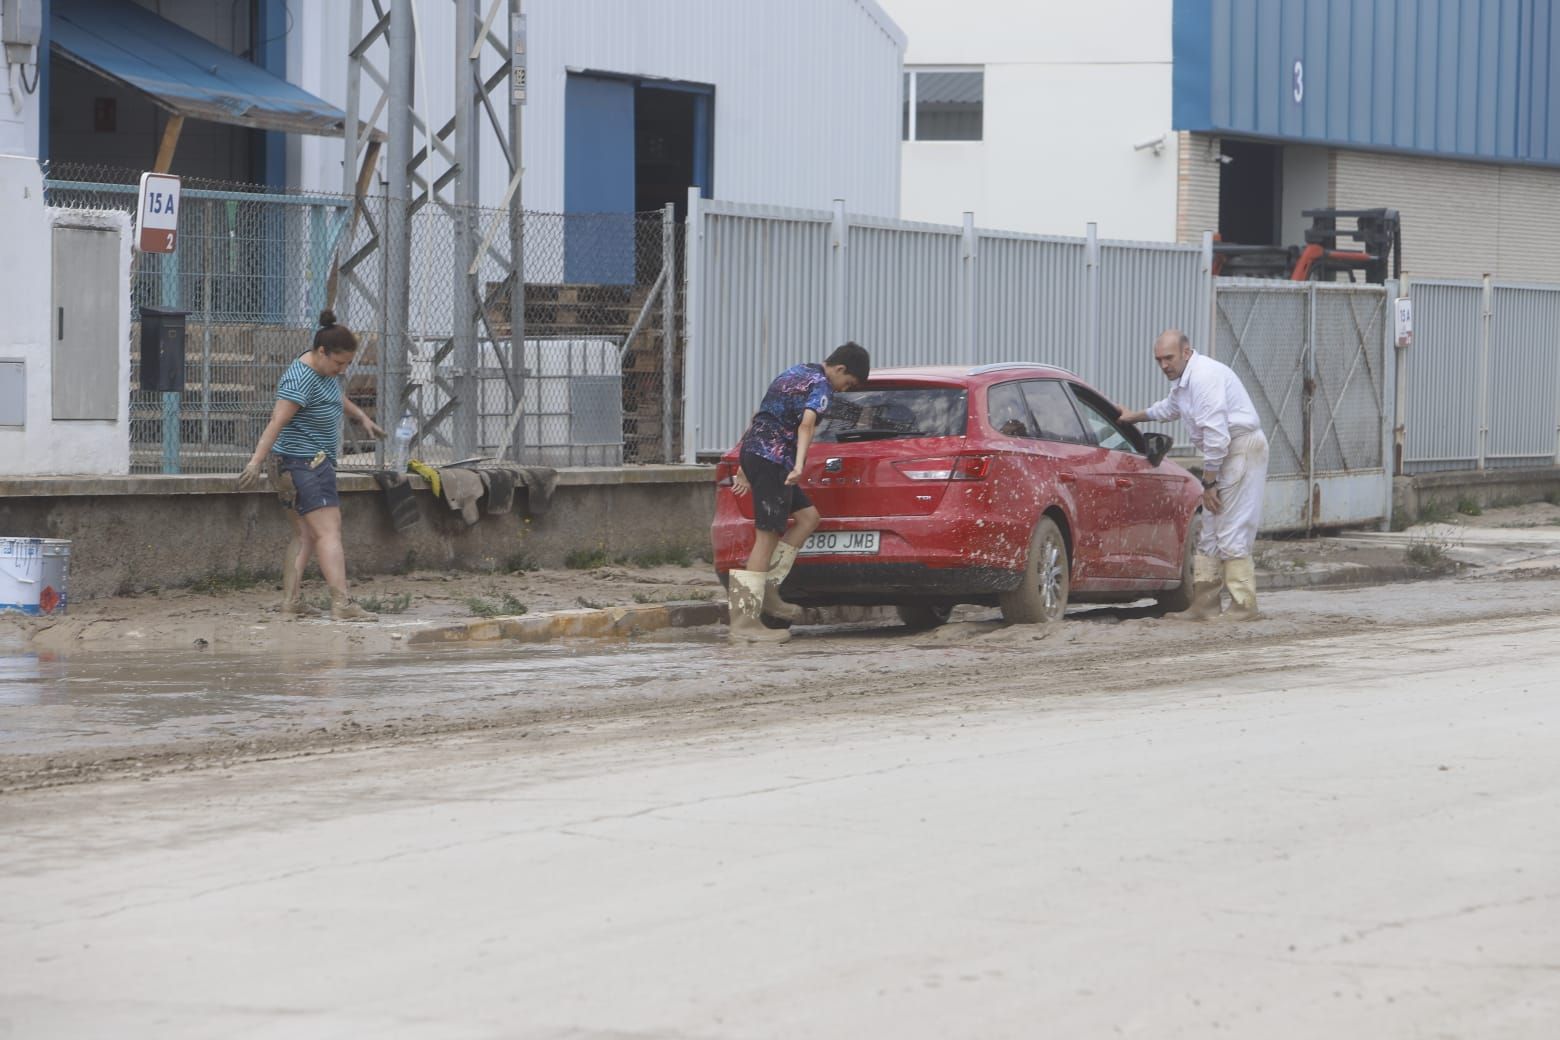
327	318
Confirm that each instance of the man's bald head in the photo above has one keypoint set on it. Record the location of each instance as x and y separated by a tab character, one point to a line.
1172	350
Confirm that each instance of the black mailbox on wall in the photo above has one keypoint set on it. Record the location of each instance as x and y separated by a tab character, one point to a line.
162	349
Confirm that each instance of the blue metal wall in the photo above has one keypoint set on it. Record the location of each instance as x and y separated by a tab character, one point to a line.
1471	79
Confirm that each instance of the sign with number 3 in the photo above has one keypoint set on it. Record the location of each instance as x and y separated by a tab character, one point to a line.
157	213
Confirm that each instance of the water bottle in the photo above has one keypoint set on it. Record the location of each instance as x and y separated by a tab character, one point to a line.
401	442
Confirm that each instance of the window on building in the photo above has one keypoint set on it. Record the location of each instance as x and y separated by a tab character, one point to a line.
944	104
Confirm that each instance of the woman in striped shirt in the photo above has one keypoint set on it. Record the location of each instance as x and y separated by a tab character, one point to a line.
304	429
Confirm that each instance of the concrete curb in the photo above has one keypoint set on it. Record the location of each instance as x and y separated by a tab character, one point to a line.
567	624
622	622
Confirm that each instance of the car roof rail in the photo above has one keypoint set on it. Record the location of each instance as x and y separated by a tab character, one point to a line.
1004	366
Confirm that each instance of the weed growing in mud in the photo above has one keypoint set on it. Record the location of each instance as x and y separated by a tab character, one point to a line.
586	559
386	604
1429	550
1468	507
505	606
236	580
1553	498
1432	513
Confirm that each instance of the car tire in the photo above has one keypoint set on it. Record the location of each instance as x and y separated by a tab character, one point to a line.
1041	597
1179	598
921	616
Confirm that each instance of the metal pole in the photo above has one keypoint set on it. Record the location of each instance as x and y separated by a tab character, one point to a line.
838	244
1210	309
669	380
1091	298
1307	401
1400	388
1486	311
397	241
1390	357
517	47
466	288
693	328
967	250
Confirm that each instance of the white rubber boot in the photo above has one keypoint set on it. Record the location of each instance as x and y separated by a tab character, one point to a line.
780	563
745	598
1206	582
1240	577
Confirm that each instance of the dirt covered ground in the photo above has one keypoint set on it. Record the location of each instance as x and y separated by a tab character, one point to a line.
240	614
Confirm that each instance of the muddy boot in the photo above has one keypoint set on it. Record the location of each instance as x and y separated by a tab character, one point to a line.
1206	583
746	598
779	566
343	608
292	594
1240	577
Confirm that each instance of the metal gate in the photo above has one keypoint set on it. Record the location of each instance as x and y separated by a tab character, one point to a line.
1314	358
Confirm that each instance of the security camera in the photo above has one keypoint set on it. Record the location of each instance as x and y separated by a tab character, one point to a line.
1157	145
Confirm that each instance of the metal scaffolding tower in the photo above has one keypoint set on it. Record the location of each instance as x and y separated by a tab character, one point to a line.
442	171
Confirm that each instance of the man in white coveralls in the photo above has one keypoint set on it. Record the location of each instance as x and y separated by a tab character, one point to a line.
1208	397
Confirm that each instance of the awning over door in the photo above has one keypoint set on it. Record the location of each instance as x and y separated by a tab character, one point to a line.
182	72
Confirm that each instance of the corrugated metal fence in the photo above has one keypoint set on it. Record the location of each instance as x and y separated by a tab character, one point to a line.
769	287
1483	376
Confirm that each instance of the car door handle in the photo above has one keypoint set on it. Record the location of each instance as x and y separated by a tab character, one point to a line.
1123	482
1066	477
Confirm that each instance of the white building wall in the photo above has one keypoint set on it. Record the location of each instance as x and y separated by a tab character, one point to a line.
1460	219
1069	89
43	445
806	92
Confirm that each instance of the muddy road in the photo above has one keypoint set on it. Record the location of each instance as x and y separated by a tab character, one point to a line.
1335	821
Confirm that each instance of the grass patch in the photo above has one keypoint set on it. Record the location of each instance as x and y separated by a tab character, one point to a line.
237	580
386	604
1432	513
675	556
1468	507
586	559
1553	498
1430	550
590	604
504	606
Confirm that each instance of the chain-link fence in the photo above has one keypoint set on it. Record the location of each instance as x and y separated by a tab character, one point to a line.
255	266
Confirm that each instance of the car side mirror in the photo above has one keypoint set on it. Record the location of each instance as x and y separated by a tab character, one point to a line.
1158	447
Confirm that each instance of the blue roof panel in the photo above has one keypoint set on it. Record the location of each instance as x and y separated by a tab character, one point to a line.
181	71
1467	79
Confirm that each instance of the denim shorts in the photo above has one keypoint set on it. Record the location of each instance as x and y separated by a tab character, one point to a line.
312	488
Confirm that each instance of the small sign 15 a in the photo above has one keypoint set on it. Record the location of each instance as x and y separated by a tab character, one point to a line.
157	213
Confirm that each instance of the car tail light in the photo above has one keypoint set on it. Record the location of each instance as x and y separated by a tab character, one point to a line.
724	472
947	467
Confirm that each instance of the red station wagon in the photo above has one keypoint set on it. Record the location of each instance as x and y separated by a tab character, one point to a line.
1010	485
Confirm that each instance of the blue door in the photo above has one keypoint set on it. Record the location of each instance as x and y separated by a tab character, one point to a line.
598	191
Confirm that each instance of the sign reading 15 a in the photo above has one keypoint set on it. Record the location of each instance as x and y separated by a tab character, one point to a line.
157	213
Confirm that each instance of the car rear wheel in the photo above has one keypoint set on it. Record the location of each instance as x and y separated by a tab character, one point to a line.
1180	598
1042	595
921	616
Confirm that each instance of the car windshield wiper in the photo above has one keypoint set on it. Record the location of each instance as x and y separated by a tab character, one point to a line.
875	435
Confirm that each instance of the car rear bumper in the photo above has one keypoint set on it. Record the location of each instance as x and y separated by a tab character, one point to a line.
876	583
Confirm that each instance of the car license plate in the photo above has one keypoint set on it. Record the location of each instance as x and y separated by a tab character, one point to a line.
840	542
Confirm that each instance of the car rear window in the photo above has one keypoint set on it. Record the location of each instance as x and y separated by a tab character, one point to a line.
883	414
